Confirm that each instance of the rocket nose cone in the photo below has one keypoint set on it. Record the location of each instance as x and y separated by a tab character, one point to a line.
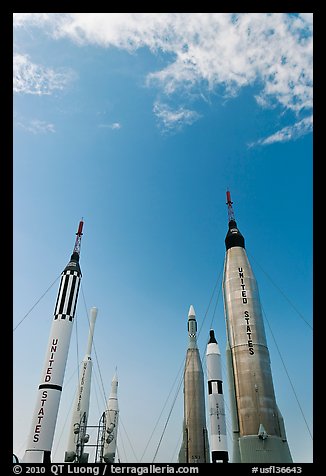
212	339
115	377
191	311
74	256
233	236
93	313
73	264
212	345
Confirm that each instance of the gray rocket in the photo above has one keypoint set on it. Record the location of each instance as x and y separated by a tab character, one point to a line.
194	448
258	428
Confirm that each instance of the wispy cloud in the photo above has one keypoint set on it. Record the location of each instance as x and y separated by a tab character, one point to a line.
113	126
31	78
207	51
35	126
173	119
232	50
288	133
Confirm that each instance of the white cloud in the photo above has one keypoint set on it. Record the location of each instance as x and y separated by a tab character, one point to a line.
170	119
216	51
36	126
21	19
288	133
116	125
30	78
232	50
113	126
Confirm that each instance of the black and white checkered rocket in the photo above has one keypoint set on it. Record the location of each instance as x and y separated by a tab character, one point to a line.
49	391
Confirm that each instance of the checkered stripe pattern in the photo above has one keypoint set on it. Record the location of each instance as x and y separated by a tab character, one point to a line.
67	296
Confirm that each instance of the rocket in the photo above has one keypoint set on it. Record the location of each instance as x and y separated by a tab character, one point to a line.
194	448
218	440
111	423
258	428
77	435
40	439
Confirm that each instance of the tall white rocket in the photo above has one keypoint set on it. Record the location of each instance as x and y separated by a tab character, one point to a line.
41	436
218	440
258	429
77	435
111	423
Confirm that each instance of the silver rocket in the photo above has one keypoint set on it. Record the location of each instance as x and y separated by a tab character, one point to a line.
218	440
258	429
111	423
40	440
194	448
78	436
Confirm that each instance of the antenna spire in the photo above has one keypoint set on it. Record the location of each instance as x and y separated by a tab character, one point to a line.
229	204
78	237
233	237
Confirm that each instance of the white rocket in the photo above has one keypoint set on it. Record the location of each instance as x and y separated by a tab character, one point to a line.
40	440
258	429
77	435
111	423
218	440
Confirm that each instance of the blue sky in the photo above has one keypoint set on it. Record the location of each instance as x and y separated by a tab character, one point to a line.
139	123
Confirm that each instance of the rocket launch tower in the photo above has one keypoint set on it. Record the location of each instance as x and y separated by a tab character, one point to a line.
258	428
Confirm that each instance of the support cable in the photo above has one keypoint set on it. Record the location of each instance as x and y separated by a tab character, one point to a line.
177	377
181	380
282	292
56	279
167	420
120	421
288	376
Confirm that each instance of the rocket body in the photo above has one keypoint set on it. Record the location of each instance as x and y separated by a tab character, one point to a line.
218	440
250	357
259	434
194	448
111	423
77	435
41	436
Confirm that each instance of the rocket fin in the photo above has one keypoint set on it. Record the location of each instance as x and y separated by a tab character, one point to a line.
282	426
262	433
